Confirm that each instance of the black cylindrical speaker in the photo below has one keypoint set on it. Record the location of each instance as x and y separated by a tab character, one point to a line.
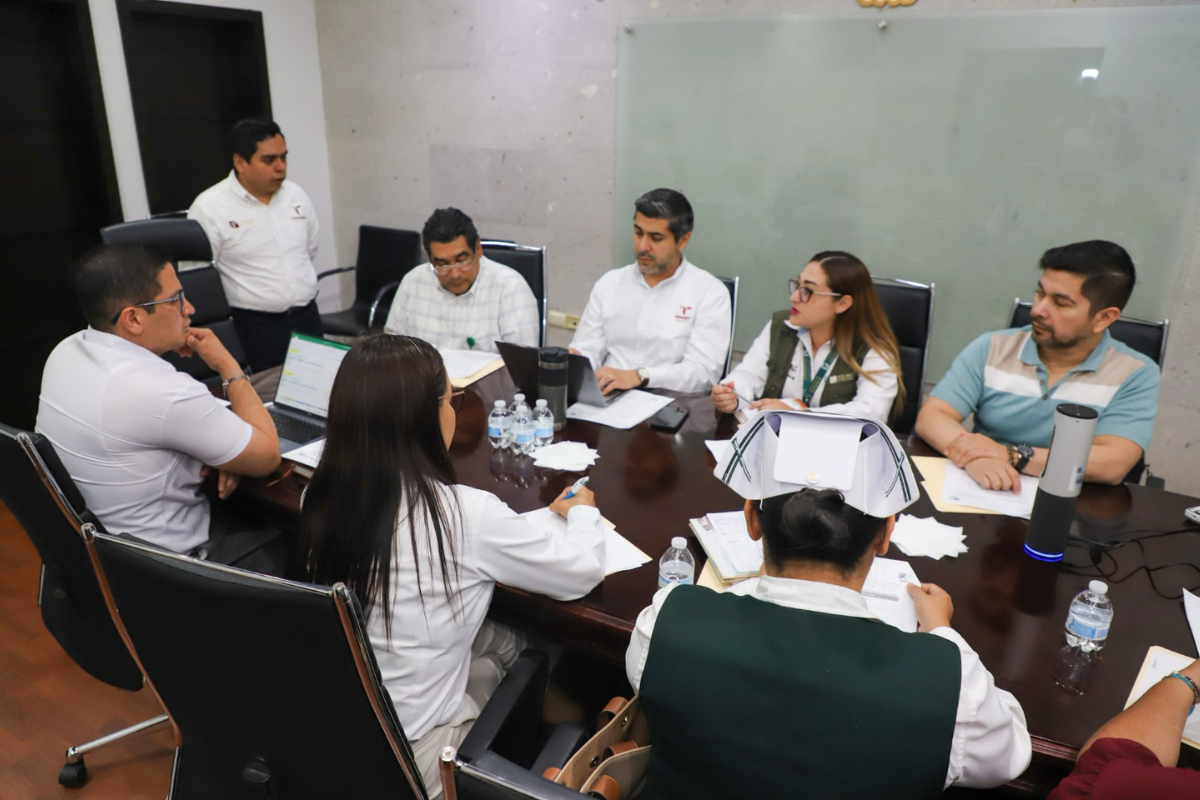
1054	504
552	382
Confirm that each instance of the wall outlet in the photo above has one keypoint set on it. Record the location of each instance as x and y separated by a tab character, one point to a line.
561	319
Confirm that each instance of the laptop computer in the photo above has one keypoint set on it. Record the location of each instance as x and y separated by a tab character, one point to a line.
302	399
521	361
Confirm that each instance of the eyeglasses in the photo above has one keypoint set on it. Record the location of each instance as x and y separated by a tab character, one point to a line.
807	293
462	264
178	297
457	398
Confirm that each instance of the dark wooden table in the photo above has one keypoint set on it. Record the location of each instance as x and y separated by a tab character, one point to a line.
1009	607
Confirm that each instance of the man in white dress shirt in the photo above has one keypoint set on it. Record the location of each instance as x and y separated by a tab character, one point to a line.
661	322
263	232
460	299
137	436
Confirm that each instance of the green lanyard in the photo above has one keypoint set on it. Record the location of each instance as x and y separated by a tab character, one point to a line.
811	384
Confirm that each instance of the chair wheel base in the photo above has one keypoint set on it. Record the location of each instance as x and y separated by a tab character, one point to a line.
73	775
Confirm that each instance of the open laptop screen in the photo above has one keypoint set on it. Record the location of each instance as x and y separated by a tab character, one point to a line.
308	372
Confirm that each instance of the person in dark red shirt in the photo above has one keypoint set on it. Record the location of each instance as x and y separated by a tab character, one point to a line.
1134	753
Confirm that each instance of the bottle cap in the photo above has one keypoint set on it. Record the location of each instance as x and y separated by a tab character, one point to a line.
499	404
540	402
679	543
519	396
1099	587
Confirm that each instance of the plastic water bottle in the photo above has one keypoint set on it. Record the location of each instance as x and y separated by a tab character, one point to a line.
517	403
543	420
1089	618
498	422
522	430
677	564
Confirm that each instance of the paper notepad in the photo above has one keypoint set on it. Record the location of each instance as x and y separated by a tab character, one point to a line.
467	366
953	491
728	544
620	554
1161	662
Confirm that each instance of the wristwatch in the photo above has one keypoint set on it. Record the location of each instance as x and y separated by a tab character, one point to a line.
239	377
1019	455
644	374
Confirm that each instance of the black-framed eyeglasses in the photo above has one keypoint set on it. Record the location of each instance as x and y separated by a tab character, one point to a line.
178	297
461	264
457	398
806	293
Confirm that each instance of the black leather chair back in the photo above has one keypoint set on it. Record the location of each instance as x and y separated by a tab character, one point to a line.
731	284
385	255
530	262
48	505
204	291
184	238
262	677
491	777
1148	338
909	309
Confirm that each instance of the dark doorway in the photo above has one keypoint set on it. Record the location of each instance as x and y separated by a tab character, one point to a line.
193	72
58	184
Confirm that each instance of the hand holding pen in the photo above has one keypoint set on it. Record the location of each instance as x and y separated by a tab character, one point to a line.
576	494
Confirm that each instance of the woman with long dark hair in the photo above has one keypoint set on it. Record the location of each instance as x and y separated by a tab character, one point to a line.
832	349
385	515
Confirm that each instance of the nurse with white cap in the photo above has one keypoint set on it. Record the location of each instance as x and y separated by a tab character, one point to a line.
788	680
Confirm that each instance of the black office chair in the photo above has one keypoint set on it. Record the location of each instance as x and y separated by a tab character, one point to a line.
732	285
1147	337
272	684
909	309
530	262
185	240
385	255
48	505
491	777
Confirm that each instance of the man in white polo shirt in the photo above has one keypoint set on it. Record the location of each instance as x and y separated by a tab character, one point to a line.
137	436
661	322
461	300
263	232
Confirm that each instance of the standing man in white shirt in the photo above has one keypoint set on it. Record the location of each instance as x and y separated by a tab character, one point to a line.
661	322
139	437
263	232
460	299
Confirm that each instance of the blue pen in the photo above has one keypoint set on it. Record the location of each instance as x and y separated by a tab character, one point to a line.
575	487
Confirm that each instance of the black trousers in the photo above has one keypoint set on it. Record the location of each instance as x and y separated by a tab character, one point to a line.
241	540
265	335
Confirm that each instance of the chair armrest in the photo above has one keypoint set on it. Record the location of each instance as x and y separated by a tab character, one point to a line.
562	744
510	775
329	272
388	292
512	717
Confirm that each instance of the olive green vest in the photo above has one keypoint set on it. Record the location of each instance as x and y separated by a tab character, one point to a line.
745	698
841	384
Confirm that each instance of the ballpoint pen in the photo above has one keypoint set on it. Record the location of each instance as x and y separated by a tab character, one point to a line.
575	487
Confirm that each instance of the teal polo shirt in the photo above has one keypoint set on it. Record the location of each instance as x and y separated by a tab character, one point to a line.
1000	379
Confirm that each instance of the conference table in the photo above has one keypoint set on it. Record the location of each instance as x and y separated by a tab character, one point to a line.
1009	607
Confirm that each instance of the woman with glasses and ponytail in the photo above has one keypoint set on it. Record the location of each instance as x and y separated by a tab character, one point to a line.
385	515
832	349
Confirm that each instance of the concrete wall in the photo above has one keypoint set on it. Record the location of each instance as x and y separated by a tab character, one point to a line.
293	69
507	109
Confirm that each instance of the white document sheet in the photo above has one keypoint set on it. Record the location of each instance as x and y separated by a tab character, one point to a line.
817	450
309	455
465	363
1161	662
620	554
1191	605
632	408
886	596
961	489
742	553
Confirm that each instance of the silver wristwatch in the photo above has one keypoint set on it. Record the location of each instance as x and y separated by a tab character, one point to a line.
644	374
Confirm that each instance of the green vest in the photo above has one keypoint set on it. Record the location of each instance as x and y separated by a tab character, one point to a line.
841	384
745	698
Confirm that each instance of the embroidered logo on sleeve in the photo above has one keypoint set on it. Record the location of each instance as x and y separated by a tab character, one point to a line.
684	313
297	212
233	224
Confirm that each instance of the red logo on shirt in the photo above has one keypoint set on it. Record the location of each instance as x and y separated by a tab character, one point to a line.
233	224
683	314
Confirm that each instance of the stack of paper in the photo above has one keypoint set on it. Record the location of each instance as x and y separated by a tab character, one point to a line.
567	456
728	545
632	408
620	553
916	536
1161	662
467	366
953	491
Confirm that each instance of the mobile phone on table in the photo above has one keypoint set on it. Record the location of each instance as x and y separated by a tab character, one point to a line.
670	418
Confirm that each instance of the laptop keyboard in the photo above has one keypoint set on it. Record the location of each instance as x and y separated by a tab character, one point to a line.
295	429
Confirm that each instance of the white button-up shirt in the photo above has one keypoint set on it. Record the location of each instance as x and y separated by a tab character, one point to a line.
426	664
499	306
264	252
990	745
678	329
133	433
872	398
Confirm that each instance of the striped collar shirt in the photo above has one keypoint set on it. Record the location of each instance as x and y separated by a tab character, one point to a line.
499	306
